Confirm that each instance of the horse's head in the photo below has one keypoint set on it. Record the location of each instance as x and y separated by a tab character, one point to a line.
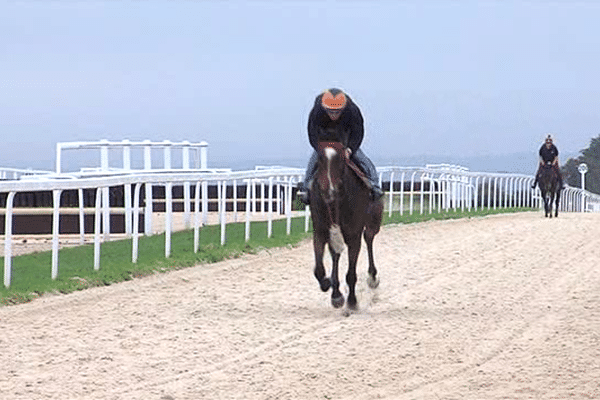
331	164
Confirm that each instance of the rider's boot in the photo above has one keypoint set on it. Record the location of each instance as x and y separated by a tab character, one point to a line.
303	194
376	193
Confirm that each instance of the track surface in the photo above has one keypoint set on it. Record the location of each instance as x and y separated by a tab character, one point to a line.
502	307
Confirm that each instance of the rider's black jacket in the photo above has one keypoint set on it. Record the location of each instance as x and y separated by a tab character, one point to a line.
348	128
548	154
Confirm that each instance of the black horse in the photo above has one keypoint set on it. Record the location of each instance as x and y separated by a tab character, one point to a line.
342	211
550	187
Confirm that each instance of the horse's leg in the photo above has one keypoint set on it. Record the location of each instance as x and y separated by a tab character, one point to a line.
319	247
557	203
372	229
337	298
372	280
353	251
550	201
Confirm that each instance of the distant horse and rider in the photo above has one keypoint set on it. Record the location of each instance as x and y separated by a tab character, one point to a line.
342	189
549	177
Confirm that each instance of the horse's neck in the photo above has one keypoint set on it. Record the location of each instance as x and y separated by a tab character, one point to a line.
341	175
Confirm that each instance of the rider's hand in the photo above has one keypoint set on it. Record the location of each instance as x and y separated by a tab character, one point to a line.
348	152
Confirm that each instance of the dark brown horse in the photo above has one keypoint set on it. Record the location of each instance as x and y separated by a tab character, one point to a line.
549	184
342	212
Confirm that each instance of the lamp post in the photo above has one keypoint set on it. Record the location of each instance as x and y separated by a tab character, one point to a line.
583	168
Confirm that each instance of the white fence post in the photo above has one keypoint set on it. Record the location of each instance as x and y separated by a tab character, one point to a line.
8	239
185	156
127	188
81	216
197	217
168	218
136	223
148	190
97	209
270	209
412	191
391	194
402	193
248	211
222	209
55	230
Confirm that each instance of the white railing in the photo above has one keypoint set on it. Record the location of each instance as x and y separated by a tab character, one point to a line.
18	173
193	156
189	151
431	189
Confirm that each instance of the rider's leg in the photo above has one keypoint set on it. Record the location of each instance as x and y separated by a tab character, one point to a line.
365	164
303	187
560	178
537	175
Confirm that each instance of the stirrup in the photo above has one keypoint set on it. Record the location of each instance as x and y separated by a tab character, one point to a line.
303	197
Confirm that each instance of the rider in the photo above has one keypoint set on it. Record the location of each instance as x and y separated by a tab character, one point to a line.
548	153
334	112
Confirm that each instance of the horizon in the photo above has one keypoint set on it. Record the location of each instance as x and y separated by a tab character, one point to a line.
520	162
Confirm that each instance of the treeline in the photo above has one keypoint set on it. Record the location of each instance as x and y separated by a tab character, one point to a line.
590	156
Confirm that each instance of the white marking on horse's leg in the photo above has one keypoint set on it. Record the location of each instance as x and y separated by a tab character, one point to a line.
336	239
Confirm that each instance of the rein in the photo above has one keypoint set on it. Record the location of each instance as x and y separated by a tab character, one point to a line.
358	172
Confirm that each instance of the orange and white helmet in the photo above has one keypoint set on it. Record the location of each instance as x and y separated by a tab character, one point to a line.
333	101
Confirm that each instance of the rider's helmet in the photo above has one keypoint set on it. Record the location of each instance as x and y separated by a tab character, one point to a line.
333	101
549	139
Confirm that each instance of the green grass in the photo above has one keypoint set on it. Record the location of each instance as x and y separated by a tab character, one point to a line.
31	272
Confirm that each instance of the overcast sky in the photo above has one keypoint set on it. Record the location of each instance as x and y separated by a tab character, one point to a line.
431	78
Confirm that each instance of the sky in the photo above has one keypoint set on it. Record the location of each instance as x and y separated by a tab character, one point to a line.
435	80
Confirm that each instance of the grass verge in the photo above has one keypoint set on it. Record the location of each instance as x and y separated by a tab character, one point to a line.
31	272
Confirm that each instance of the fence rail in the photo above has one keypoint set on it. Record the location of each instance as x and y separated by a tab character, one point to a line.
431	189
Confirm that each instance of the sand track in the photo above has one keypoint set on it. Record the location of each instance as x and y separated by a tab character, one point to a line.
490	308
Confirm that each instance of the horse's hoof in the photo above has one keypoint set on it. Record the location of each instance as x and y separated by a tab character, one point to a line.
352	303
325	284
337	302
373	282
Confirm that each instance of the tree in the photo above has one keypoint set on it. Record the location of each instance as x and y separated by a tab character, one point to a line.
590	156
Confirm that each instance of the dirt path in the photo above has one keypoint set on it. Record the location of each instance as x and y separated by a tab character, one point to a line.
502	307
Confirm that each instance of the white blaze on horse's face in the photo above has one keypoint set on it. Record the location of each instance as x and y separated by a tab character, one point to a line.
330	153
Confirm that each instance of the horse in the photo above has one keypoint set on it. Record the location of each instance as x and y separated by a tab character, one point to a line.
342	211
549	184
